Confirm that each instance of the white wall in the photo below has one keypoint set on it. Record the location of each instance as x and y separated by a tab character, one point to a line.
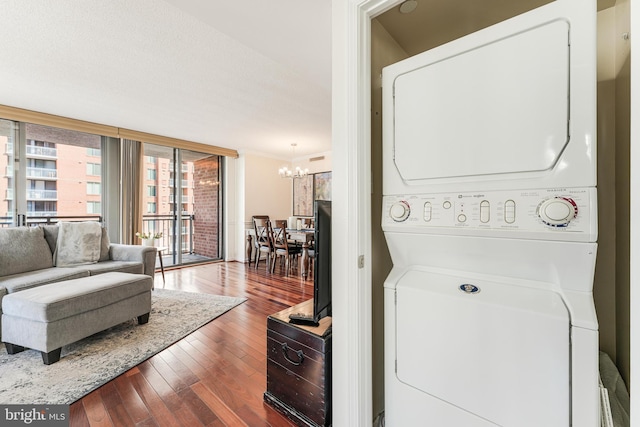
253	187
265	192
316	163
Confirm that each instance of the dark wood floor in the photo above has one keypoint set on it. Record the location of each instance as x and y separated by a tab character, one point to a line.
214	377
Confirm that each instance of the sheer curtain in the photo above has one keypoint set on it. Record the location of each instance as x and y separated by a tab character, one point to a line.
131	170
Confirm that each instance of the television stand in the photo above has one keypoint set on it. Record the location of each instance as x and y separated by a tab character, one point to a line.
299	367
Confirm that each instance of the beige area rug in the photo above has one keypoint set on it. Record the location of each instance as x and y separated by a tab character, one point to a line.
93	361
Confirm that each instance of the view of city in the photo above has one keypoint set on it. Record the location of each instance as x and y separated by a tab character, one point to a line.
63	181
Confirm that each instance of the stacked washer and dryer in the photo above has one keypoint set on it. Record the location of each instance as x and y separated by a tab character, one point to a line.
490	215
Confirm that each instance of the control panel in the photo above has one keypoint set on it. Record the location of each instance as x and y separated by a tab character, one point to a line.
543	213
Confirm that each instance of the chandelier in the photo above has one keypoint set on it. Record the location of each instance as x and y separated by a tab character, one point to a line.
297	172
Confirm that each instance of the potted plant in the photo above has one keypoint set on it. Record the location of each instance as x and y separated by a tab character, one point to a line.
148	238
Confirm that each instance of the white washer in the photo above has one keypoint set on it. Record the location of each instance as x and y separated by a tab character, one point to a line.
489	213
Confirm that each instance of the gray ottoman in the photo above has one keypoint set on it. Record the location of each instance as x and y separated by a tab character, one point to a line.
47	317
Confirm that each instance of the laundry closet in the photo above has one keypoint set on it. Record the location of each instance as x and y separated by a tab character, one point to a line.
397	36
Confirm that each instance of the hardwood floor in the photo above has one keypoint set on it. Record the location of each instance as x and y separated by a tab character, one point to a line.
214	377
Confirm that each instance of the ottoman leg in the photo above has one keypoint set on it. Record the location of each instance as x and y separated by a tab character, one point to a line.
143	319
12	348
51	357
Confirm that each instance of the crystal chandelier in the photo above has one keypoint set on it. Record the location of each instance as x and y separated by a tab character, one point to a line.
297	172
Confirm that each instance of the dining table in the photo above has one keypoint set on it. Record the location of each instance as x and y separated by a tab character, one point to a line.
306	237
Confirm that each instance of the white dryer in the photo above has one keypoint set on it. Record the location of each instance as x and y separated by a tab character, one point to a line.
489	213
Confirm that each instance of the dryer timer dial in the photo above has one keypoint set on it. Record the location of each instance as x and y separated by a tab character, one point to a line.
400	211
558	211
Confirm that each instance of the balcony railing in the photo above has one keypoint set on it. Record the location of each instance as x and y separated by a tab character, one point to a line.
42	194
166	224
42	173
33	150
42	214
35	218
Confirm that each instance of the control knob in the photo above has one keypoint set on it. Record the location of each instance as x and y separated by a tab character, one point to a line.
557	211
400	211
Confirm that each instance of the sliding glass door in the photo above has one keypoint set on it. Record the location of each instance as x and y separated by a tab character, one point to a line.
8	137
181	200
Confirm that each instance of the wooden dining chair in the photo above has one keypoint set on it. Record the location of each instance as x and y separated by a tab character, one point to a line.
282	223
261	226
283	248
256	241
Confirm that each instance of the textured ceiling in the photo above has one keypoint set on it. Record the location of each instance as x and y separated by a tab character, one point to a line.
252	75
232	74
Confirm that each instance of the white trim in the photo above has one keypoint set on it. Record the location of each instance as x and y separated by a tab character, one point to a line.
351	147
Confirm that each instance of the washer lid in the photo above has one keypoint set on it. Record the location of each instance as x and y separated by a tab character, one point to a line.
497	350
502	107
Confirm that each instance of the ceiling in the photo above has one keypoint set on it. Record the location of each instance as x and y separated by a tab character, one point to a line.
253	75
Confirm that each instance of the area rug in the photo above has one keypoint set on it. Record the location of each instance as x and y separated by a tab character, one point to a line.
93	361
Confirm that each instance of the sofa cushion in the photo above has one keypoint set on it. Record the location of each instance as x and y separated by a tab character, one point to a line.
135	267
23	249
31	279
78	243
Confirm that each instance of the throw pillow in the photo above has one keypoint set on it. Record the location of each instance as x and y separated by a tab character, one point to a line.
78	243
23	249
51	235
104	245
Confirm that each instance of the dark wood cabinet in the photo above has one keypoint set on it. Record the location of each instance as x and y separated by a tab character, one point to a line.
299	368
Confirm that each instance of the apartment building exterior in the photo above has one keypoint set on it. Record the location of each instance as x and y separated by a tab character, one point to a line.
64	175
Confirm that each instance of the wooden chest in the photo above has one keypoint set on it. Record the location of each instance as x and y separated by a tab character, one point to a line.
299	368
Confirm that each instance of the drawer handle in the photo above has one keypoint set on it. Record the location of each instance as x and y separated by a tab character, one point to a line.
285	352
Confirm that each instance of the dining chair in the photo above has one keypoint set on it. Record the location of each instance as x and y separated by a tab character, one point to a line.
256	241
283	248
261	226
307	222
283	224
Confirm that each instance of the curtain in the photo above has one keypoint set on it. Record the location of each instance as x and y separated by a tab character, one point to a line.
131	170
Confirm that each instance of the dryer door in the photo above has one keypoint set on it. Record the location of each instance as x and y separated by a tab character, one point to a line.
498	350
499	108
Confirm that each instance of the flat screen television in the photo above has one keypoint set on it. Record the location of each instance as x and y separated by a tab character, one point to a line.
322	267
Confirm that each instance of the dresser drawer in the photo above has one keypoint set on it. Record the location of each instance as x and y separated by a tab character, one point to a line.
299	359
304	398
302	336
299	369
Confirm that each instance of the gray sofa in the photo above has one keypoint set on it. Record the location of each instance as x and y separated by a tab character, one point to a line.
27	259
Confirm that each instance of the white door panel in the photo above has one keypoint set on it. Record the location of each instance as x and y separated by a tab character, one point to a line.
502	353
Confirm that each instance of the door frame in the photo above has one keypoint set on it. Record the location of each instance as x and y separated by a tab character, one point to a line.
351	263
351	145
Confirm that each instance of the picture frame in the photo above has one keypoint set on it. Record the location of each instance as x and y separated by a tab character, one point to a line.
322	186
312	187
303	196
